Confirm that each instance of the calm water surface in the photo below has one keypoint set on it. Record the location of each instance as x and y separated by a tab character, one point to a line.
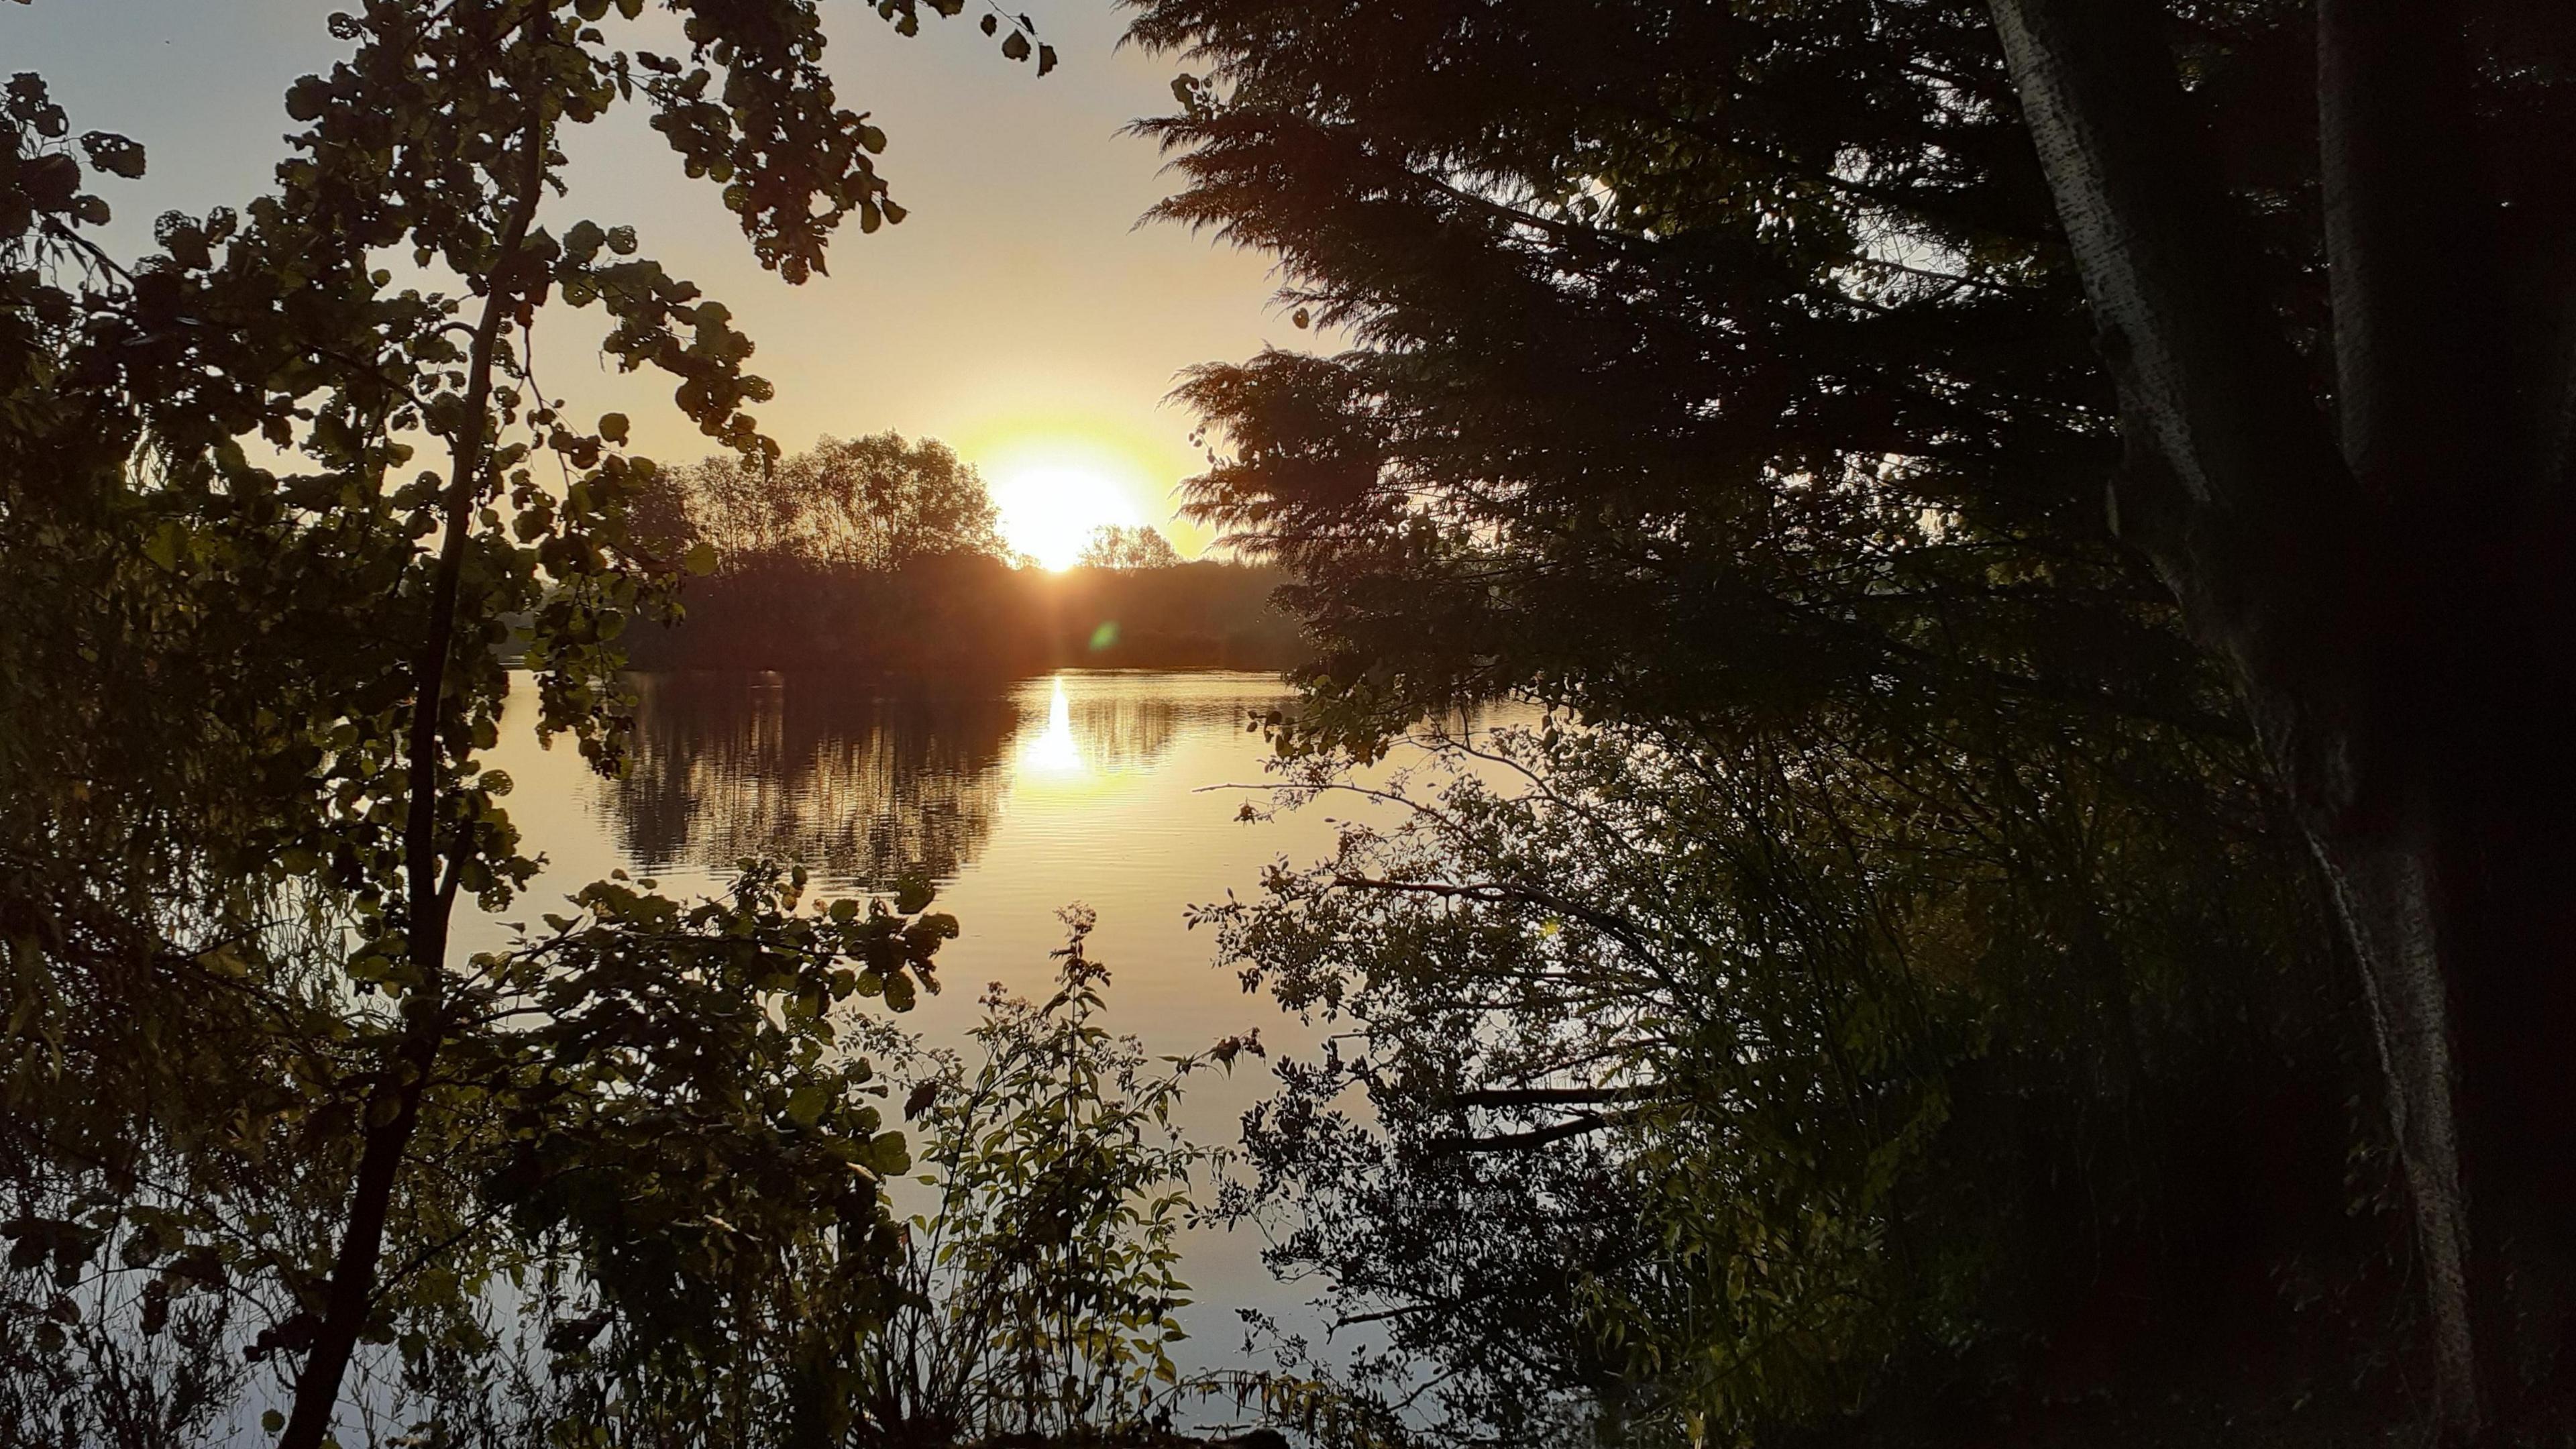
1083	786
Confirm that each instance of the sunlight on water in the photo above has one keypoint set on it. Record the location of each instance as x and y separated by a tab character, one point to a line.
1053	751
1090	786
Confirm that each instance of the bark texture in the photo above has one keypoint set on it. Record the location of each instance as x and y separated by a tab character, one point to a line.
2387	571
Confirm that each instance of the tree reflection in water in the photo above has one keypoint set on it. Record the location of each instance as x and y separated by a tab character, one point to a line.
863	783
1104	724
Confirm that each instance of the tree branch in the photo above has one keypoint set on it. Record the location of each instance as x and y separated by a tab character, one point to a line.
397	1102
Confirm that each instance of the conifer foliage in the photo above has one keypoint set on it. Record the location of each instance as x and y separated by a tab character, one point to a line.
1960	387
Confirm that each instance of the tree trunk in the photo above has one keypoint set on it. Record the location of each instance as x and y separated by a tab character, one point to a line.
2445	430
2391	592
393	1106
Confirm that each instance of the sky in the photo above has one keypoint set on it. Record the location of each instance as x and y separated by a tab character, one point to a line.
1019	313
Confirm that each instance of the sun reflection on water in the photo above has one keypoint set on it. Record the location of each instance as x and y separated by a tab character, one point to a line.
1053	751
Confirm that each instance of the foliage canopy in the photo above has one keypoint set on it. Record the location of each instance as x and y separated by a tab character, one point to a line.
260	1108
1720	377
1128	546
873	504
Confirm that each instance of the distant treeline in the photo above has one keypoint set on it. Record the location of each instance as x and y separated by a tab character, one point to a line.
883	555
946	613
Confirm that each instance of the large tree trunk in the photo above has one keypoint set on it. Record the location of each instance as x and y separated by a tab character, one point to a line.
2442	419
2391	591
2461	913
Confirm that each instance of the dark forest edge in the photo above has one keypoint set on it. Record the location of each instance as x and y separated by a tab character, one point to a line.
2035	972
882	555
969	616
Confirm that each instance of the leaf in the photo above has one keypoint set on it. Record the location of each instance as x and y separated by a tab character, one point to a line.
700	559
890	1154
1016	46
613	426
912	893
163	546
114	153
806	1104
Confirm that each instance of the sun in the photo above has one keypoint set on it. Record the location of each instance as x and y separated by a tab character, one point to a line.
1049	509
1054	480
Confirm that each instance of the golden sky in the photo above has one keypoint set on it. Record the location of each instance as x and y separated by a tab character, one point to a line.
1018	313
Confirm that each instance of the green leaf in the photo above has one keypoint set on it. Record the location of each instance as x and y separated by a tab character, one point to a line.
163	546
890	1154
806	1104
701	559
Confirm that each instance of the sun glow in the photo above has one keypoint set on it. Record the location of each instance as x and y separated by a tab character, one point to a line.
1056	480
1048	512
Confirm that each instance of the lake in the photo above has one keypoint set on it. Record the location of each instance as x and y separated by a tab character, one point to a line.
1098	787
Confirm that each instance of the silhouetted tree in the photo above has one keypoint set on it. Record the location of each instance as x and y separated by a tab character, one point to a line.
1731	368
1756	1089
242	1058
2370	520
878	503
1126	546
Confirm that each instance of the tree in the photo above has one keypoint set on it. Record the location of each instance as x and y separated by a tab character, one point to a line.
1042	1281
2380	559
286	874
878	503
1732	370
1670	1091
1124	546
